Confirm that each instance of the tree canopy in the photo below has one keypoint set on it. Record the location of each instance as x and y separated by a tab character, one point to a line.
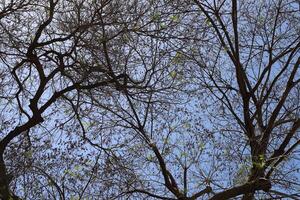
156	99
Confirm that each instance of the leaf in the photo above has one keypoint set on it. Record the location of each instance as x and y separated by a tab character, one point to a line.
136	27
260	19
28	154
67	111
156	17
163	26
194	50
201	146
259	165
173	74
261	162
73	198
77	167
50	182
86	125
225	48
126	38
261	157
187	125
174	18
242	174
166	141
70	173
207	22
150	157
183	154
178	58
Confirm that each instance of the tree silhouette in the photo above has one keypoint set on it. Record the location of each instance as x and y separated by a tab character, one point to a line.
149	99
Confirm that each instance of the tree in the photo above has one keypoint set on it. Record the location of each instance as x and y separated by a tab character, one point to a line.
264	54
149	99
46	58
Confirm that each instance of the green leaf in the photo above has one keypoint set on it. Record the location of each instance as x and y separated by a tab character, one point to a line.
242	174
225	48
187	125
163	26
50	182
77	167
70	173
259	165
261	162
261	157
179	57
261	19
194	50
150	157
166	141
201	146
28	154
207	22
126	38
174	18
136	28
183	154
86	125
73	198
173	74
156	17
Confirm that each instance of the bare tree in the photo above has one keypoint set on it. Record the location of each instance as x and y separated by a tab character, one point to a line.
149	99
47	53
258	43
